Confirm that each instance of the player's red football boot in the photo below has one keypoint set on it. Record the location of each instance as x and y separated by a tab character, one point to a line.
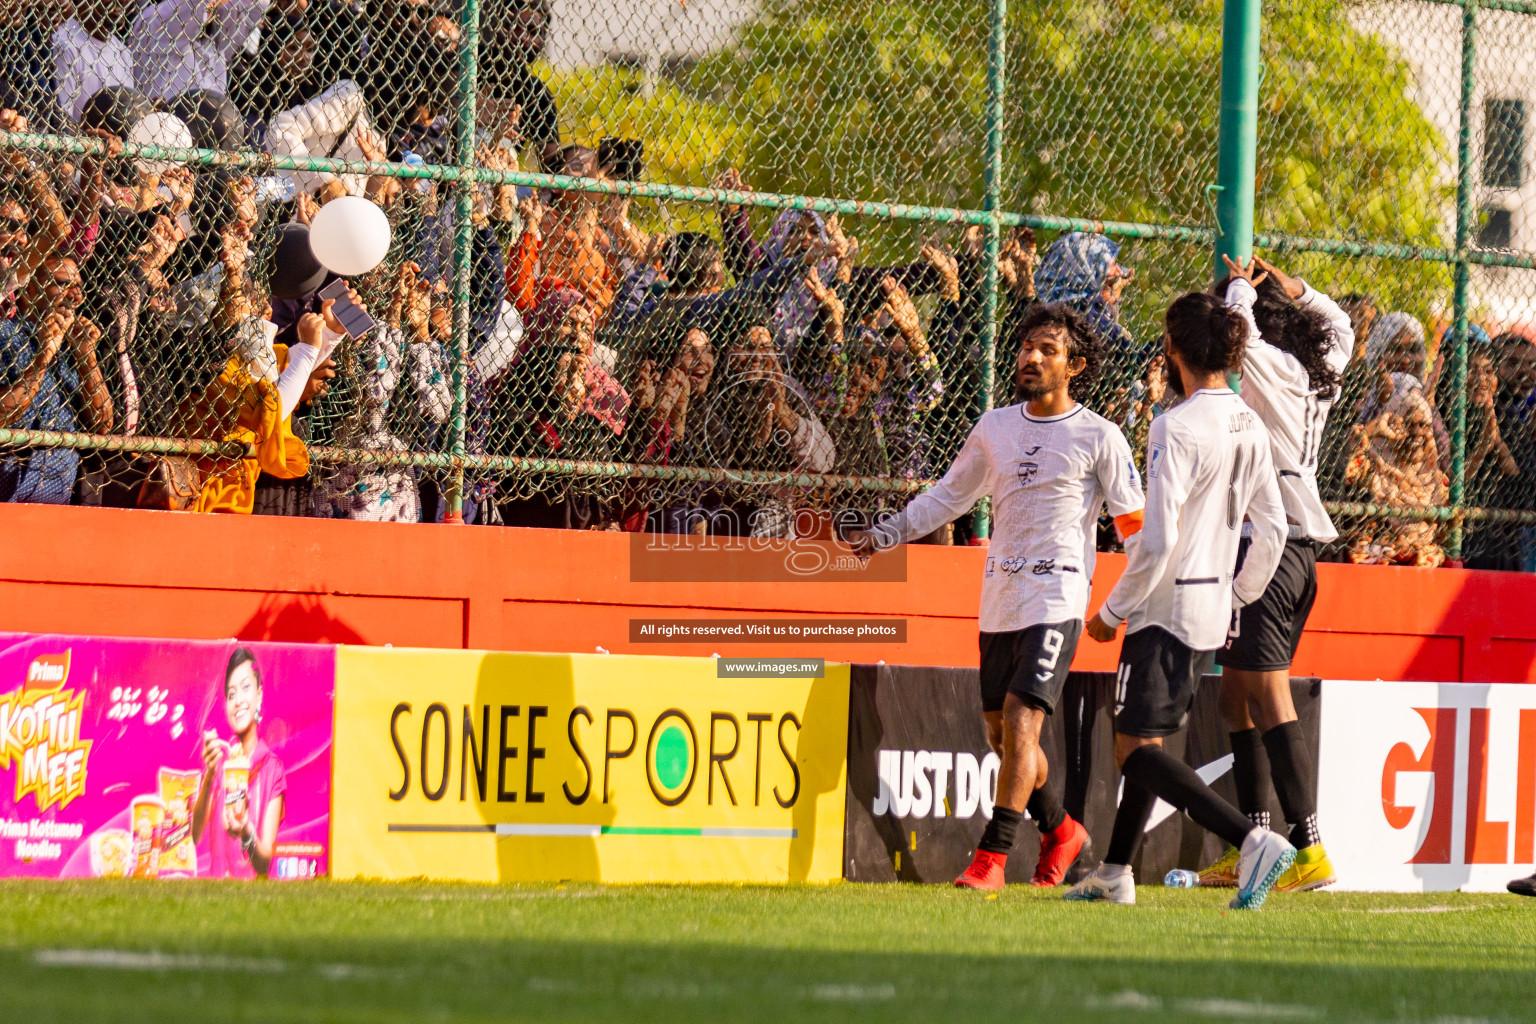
1058	849
985	872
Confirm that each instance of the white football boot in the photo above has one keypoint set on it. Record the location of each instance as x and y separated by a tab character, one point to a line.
1265	856
1102	887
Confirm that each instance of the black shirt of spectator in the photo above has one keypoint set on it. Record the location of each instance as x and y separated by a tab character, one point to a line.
516	32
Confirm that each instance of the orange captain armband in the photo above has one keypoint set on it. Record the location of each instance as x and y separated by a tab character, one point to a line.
1129	524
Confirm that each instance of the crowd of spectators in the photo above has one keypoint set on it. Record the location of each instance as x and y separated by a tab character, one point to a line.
145	299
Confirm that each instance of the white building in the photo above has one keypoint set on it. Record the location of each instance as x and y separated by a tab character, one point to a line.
650	34
1428	37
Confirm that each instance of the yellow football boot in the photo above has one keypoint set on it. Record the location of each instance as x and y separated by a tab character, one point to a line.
1312	870
1223	873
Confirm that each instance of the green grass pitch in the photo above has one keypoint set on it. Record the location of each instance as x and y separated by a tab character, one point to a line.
217	952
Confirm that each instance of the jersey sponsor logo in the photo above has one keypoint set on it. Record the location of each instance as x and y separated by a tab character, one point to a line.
919	784
1028	471
1014	565
1044	566
1154	457
1030	452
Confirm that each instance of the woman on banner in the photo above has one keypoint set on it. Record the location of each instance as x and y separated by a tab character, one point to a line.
244	784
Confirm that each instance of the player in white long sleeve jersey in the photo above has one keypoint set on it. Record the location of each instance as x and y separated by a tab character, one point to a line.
1049	464
1299	342
1208	466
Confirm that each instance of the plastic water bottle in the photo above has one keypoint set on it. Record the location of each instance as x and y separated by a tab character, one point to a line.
409	158
1179	878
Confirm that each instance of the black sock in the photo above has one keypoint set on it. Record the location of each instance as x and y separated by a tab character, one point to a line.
1250	771
1176	782
1295	781
998	838
1045	807
1130	822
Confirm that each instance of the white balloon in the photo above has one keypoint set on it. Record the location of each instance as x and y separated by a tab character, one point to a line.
349	236
160	129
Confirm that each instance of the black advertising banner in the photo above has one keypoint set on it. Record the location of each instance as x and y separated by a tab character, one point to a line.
921	776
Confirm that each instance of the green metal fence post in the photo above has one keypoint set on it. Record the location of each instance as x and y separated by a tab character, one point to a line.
463	248
1237	140
992	201
1460	296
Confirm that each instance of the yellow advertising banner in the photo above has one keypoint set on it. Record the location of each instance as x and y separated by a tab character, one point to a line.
537	767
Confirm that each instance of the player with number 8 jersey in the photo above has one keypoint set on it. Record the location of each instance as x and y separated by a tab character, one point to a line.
1049	465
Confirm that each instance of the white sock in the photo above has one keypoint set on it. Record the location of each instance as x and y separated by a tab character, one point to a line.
1114	871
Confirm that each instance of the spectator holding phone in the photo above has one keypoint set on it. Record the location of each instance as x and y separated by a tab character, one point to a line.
627	246
558	405
252	403
407	347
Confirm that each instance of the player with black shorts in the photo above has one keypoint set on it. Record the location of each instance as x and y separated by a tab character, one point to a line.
1049	465
1299	343
1208	465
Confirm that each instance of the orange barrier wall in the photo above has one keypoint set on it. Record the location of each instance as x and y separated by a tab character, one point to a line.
130	573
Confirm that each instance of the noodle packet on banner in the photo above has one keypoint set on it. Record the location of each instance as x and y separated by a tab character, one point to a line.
178	857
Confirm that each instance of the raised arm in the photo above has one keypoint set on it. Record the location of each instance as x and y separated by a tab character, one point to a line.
16	397
1341	330
40	199
743	256
1264	365
83	337
333	112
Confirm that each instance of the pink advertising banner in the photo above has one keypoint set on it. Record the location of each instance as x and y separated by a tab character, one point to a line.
164	758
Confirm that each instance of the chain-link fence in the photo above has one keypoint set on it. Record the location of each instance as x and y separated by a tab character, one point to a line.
717	264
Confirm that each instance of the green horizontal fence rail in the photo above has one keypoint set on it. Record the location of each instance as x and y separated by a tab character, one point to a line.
991	214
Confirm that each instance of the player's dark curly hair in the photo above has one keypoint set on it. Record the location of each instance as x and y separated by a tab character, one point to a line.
1082	341
1208	336
1301	332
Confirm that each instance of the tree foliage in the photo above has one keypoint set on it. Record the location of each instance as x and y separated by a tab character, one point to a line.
1112	113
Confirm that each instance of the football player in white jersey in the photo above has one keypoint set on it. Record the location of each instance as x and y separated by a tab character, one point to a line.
1208	466
1049	465
1299	342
